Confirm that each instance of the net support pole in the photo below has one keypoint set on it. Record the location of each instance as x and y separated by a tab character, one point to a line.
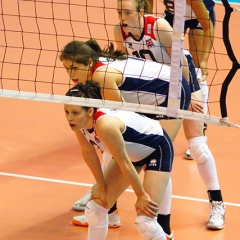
176	58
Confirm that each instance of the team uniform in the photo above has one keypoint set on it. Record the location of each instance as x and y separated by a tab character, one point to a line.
191	21
145	82
145	140
148	47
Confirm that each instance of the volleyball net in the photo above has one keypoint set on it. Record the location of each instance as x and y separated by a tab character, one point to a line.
33	32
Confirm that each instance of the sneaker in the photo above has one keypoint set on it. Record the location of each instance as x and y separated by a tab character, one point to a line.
170	237
217	215
188	155
114	220
81	203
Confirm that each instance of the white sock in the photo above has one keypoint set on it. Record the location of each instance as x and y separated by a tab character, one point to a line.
165	205
97	217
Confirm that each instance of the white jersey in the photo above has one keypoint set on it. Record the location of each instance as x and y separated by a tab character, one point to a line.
148	46
144	82
142	136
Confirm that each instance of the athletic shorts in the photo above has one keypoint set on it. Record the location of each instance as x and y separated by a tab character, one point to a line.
161	159
192	23
193	81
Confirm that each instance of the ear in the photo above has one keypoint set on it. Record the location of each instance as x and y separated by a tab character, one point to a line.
141	13
90	62
90	112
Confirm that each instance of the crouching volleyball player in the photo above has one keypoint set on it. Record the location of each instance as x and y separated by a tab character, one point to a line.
134	141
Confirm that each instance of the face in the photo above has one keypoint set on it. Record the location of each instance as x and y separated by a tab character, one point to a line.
128	16
78	117
78	72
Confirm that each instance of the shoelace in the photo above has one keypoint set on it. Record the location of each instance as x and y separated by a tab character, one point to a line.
217	209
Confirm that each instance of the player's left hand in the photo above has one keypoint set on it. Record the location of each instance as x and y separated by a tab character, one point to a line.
195	107
145	205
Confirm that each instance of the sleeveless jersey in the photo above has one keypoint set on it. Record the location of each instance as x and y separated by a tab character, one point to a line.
142	136
147	47
146	82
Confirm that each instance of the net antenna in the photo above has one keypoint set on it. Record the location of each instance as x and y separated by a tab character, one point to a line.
231	55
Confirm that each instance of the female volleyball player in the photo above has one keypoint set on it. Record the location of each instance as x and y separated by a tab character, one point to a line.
200	21
134	141
150	37
132	79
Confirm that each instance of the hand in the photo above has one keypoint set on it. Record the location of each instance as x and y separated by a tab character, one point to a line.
145	205
195	107
99	194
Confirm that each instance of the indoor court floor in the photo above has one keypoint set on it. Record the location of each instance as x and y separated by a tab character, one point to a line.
42	173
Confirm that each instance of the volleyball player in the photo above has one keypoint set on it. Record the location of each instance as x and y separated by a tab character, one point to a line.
200	24
134	141
150	37
132	79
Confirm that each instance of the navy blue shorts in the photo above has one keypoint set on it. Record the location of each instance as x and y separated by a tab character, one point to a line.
193	81
192	23
161	159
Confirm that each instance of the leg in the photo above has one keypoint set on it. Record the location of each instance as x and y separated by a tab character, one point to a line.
148	228
95	212
207	170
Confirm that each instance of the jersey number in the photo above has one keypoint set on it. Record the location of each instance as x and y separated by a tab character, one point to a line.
142	54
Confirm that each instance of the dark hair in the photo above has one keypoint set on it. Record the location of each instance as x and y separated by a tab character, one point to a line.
81	52
90	89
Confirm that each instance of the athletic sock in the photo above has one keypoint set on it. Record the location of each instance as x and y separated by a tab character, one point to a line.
113	208
215	195
164	222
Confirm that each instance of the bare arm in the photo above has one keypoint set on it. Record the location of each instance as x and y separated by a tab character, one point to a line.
109	130
91	158
164	34
109	79
208	31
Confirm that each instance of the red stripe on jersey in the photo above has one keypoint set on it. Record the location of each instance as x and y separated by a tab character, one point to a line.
97	115
96	66
149	22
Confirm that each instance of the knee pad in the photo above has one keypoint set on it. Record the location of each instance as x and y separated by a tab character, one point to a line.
146	227
199	149
96	214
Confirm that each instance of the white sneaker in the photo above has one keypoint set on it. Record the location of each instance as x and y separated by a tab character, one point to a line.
81	203
113	218
187	155
217	215
170	237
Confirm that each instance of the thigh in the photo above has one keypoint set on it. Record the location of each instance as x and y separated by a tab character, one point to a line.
171	126
115	181
155	184
195	38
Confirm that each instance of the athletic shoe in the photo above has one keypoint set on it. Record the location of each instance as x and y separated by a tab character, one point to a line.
81	203
114	220
217	215
188	155
170	237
